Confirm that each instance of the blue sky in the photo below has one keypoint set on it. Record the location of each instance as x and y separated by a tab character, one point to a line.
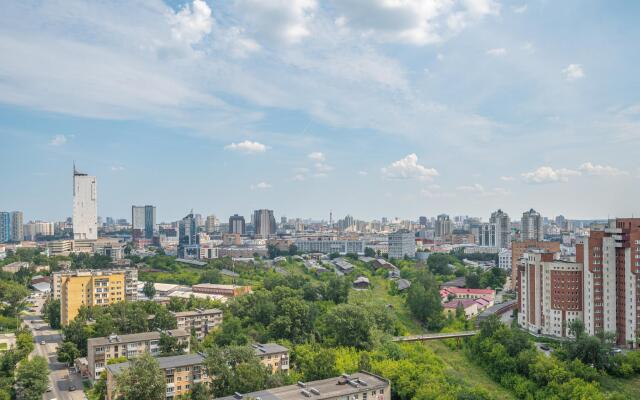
369	107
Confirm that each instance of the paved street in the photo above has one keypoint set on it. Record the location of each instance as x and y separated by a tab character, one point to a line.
59	376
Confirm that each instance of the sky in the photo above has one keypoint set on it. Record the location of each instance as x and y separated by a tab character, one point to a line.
373	108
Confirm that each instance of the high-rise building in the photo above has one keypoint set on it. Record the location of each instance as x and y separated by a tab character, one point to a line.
444	226
402	243
521	247
550	293
89	289
561	222
488	235
85	206
423	221
17	229
611	257
212	223
503	228
143	221
264	223
531	228
5	227
35	229
188	237
236	224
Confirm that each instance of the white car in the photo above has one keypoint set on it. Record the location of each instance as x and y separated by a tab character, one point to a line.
43	343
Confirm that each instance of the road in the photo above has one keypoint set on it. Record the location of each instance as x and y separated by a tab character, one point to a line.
59	376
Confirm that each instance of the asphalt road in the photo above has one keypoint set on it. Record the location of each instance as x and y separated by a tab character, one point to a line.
59	376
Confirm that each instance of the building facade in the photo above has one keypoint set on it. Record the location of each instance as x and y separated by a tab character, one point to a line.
17	227
130	280
100	350
521	247
264	223
222	290
5	227
503	228
199	321
444	226
273	356
531	226
180	374
402	243
85	206
328	246
143	221
551	293
488	235
237	224
36	229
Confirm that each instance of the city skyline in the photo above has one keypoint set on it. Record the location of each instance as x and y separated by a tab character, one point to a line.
219	106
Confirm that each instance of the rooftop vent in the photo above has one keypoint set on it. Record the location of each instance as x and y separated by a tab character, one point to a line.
237	395
305	393
353	383
346	376
302	384
315	391
362	382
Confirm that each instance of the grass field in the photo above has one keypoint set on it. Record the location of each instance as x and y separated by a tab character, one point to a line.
630	388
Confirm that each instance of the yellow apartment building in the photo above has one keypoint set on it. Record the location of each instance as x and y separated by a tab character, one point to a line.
89	289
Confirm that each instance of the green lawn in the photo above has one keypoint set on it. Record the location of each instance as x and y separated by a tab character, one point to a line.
3	346
630	388
461	368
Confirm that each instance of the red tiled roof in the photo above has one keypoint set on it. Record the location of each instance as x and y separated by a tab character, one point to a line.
466	303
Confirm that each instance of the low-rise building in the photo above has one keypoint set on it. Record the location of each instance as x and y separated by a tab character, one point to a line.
180	372
100	350
329	245
223	290
273	355
15	266
361	283
361	385
201	322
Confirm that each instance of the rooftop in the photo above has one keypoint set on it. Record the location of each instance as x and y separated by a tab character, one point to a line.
460	291
343	387
268	348
134	337
165	362
197	312
216	286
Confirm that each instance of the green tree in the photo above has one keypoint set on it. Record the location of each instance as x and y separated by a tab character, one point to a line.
52	313
163	320
67	353
149	290
170	346
347	325
77	333
143	379
337	289
423	299
369	252
231	333
211	276
200	391
12	296
32	378
24	342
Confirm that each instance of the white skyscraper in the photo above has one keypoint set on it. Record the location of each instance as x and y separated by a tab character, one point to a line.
85	206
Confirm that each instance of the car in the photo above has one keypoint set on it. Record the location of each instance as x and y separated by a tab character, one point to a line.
72	388
43	342
545	347
49	388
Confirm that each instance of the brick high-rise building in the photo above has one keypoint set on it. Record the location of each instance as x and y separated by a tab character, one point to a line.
612	262
519	248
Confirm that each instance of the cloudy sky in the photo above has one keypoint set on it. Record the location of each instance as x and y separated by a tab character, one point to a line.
368	107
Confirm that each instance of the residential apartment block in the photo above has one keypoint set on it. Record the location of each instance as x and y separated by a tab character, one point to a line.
328	246
361	385
223	290
89	289
273	355
130	280
200	321
101	350
518	248
180	372
402	243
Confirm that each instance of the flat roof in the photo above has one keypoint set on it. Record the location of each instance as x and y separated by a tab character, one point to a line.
268	348
215	286
197	312
327	388
165	362
134	337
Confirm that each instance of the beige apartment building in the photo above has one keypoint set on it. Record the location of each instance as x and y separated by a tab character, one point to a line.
89	289
181	373
359	386
101	350
200	321
273	355
130	280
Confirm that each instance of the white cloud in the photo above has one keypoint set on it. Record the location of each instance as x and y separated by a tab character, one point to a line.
321	167
408	168
316	156
573	72
261	186
58	140
500	51
247	147
299	177
192	22
363	173
519	9
285	21
507	178
478	189
601	170
547	174
117	168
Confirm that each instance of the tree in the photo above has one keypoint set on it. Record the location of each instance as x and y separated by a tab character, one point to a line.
13	295
170	346
52	313
149	290
77	333
347	325
423	299
24	342
369	252
211	276
32	378
293	250
200	391
337	289
235	369
143	379
163	320
67	353
231	333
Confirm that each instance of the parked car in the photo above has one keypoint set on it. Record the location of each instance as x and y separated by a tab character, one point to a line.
545	347
72	388
43	342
